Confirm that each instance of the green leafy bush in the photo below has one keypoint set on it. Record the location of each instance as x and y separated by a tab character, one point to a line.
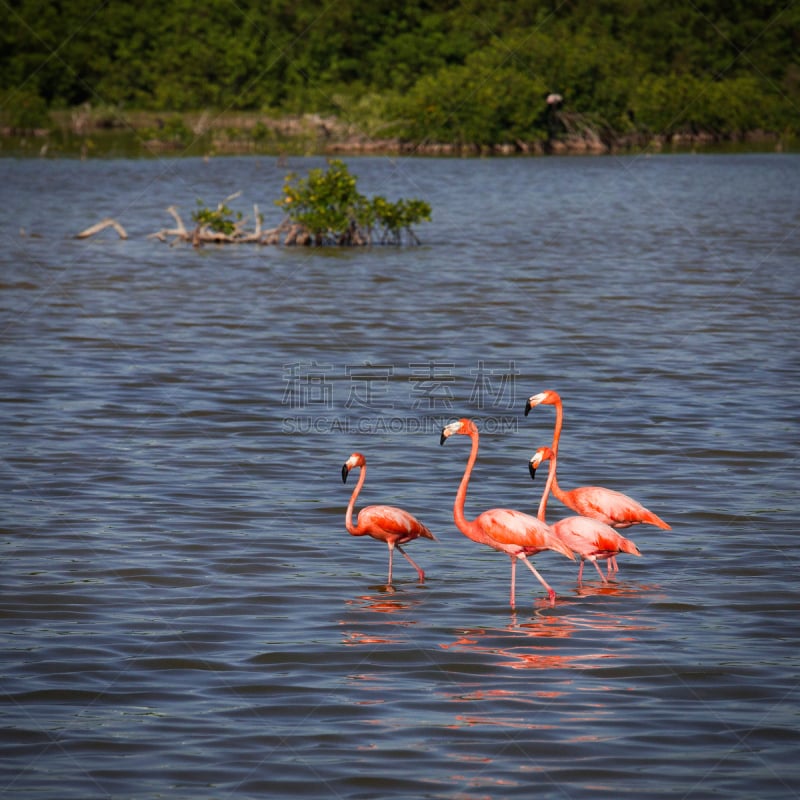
328	209
220	220
25	111
396	219
172	130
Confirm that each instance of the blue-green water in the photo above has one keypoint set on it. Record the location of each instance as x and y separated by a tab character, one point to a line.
183	613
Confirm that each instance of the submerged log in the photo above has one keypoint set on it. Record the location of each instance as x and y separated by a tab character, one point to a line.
101	226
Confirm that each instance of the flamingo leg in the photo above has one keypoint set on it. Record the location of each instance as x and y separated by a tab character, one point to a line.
612	565
413	564
580	574
513	579
391	557
541	580
599	571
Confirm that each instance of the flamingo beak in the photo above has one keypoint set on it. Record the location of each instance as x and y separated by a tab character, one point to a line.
345	473
532	470
449	430
534	400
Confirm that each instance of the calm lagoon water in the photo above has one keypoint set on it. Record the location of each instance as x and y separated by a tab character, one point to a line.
183	613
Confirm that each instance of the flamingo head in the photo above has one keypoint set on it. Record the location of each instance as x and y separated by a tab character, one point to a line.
355	460
465	426
548	398
539	457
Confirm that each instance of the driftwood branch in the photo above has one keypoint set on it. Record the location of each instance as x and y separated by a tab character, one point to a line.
220	228
203	234
181	229
101	226
179	233
229	197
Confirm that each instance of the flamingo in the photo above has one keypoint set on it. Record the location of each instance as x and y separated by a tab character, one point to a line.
591	539
614	508
520	535
388	524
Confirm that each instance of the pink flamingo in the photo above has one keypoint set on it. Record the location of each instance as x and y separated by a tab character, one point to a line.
388	524
614	508
591	539
520	535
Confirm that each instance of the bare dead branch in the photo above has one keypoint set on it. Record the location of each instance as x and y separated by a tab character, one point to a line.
101	226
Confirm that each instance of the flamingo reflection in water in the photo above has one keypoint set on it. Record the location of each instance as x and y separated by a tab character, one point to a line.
517	651
539	643
383	629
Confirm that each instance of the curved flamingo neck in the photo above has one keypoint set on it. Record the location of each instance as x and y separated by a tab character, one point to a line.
557	430
348	517
462	523
550	484
558	492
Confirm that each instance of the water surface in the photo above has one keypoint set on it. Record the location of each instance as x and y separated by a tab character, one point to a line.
183	613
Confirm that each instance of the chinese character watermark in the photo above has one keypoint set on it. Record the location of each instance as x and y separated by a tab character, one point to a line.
306	386
369	386
372	394
494	385
431	384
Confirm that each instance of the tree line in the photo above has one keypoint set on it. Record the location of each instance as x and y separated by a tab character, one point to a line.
464	72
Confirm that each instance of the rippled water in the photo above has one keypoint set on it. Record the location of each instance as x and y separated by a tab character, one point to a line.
183	612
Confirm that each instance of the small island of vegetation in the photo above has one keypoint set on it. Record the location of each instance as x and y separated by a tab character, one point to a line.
325	208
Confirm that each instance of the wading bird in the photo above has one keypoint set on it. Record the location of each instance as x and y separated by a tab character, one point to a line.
388	524
614	508
512	532
591	539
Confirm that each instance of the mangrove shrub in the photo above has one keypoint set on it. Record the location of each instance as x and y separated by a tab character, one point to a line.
327	208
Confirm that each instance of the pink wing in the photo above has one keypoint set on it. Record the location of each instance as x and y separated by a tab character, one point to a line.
613	508
591	537
389	522
507	528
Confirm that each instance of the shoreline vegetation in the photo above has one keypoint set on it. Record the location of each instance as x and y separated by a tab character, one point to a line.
444	78
85	132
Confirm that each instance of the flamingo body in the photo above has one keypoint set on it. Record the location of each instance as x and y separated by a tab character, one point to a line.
509	531
613	508
593	541
388	524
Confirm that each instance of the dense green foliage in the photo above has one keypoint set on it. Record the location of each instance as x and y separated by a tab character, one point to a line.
330	209
474	71
222	219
